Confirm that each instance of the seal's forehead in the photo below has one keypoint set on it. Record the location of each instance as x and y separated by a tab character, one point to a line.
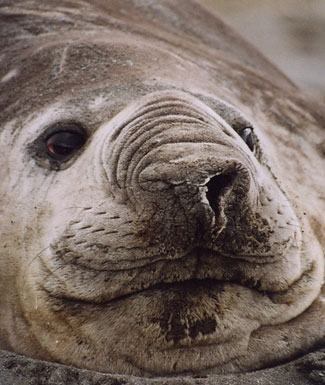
184	24
83	64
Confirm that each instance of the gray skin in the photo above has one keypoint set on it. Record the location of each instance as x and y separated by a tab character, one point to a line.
186	235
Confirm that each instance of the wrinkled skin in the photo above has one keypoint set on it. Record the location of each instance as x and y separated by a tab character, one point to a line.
166	244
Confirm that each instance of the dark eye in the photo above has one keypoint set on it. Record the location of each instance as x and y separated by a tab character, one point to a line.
247	136
62	144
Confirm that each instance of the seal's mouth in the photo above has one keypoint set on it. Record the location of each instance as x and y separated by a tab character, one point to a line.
198	269
193	285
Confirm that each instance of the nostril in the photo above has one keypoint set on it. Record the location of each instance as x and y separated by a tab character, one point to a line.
216	187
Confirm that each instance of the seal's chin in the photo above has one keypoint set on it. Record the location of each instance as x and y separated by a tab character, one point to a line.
194	313
190	312
202	323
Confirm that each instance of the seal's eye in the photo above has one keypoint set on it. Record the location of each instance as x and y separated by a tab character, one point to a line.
62	144
247	136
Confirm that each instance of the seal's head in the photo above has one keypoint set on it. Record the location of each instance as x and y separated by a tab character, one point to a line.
161	207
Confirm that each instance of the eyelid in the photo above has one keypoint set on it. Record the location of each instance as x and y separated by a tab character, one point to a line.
64	126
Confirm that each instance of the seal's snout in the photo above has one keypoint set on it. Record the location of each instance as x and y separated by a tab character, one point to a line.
180	166
186	173
195	187
197	175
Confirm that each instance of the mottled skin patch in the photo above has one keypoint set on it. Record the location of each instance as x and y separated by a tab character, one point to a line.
165	245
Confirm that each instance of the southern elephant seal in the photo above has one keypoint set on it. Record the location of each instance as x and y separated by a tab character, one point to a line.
162	207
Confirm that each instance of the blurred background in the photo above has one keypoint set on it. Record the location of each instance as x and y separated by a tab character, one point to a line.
291	33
